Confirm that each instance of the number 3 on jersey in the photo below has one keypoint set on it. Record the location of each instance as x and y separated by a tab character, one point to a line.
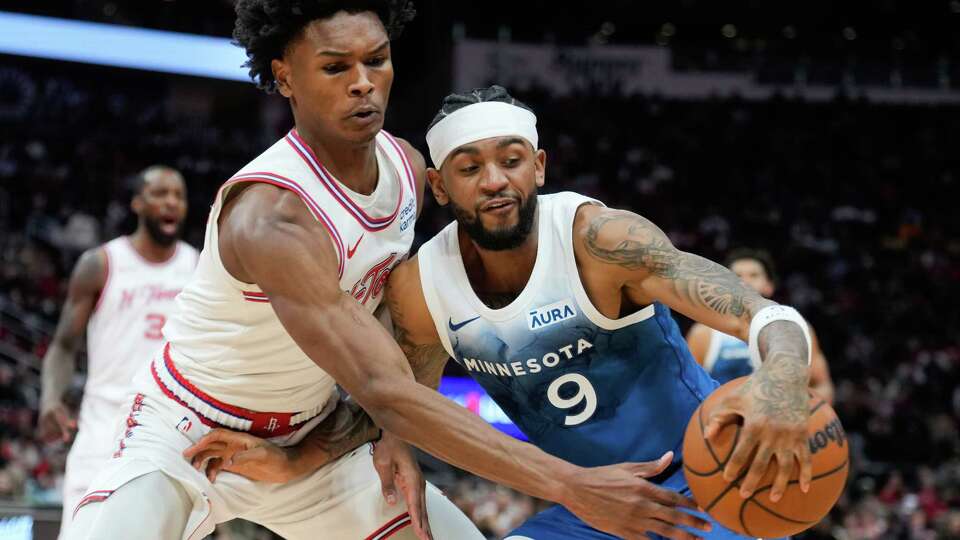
584	393
155	323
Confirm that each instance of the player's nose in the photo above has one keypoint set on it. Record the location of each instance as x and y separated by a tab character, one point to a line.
493	180
362	86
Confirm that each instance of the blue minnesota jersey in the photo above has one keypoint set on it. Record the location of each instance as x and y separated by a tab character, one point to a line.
727	358
585	388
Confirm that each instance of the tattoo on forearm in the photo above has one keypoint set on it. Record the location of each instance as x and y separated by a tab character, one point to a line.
348	427
644	246
784	368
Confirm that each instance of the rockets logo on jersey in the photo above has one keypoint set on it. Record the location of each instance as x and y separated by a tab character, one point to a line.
373	282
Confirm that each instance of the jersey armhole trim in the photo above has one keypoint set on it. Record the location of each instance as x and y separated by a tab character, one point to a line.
583	300
430	294
318	213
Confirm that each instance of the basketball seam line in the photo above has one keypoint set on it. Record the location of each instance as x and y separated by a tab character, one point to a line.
720	464
764	508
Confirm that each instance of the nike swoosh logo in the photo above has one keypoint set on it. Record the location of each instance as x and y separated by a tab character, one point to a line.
455	327
352	250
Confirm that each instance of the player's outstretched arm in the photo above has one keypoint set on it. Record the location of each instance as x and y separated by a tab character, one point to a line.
268	237
59	364
773	403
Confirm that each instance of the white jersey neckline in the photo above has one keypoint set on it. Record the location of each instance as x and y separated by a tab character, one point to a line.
518	305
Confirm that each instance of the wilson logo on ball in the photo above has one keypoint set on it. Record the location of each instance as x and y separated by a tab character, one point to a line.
831	432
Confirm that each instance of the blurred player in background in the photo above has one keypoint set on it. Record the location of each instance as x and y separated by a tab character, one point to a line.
121	294
726	357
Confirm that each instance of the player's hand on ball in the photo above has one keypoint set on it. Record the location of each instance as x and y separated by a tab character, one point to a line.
398	469
775	414
56	423
243	454
616	499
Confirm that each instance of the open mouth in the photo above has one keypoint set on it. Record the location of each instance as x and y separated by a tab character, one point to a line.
498	205
169	225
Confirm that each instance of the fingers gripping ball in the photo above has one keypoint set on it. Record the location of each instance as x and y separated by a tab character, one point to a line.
757	516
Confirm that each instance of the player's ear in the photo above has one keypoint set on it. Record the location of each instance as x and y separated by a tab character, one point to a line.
136	204
437	186
281	72
540	166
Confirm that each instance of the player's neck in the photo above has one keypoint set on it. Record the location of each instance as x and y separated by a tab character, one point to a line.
502	271
353	164
150	250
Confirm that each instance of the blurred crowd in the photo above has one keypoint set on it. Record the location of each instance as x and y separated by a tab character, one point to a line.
855	201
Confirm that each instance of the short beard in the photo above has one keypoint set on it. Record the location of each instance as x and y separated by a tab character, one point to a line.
499	239
158	236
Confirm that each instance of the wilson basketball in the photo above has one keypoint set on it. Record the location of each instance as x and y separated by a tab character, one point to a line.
758	516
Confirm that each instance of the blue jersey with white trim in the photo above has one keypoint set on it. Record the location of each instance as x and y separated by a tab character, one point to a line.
583	387
728	358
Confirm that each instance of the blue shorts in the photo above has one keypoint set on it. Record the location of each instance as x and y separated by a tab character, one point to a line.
558	523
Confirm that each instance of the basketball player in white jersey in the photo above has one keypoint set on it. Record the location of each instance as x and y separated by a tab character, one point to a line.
298	248
557	306
121	294
726	357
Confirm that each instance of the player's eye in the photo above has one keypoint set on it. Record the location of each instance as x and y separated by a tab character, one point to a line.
511	162
468	170
334	68
376	61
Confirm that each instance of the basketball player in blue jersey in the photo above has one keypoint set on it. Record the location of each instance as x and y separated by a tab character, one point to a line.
726	357
558	306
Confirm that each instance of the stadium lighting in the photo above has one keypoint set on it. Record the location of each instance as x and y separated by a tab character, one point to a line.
121	46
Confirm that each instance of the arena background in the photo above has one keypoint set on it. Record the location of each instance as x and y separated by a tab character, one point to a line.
824	134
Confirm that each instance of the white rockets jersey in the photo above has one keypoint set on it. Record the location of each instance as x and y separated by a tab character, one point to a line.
226	339
124	332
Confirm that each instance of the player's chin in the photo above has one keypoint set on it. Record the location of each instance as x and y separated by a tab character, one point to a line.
362	132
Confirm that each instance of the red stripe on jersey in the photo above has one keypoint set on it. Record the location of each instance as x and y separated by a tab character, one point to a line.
92	497
411	178
169	393
253	296
391	527
365	220
264	424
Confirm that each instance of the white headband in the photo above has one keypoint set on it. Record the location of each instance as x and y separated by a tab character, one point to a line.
479	121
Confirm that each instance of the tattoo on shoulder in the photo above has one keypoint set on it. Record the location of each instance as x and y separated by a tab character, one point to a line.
633	242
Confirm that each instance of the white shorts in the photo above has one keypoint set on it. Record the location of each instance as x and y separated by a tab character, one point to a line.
89	453
342	500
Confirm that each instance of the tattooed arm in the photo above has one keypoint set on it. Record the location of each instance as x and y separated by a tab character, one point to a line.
413	326
640	263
